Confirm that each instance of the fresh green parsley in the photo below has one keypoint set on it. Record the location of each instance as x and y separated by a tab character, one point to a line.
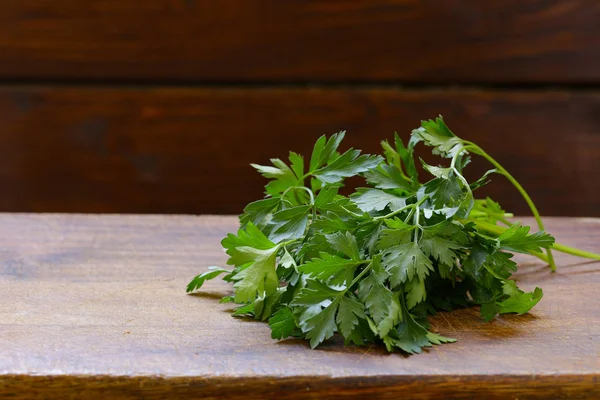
372	266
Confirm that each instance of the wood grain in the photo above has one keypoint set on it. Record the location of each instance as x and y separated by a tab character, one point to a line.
170	150
454	41
95	306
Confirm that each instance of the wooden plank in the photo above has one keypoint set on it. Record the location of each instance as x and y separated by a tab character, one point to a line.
236	40
187	150
95	306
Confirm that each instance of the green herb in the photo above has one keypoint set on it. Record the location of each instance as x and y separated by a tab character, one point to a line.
373	265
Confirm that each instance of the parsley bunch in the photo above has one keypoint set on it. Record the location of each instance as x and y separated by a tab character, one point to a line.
373	265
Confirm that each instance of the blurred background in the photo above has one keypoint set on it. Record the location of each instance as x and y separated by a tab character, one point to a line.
159	106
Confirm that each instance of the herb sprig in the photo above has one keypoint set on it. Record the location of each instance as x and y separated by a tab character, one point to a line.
373	265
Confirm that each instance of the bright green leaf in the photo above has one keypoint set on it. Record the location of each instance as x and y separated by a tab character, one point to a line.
199	280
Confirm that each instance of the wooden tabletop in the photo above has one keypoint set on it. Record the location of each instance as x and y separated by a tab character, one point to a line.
95	305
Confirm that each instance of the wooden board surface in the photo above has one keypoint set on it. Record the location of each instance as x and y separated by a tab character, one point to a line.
169	150
95	305
456	41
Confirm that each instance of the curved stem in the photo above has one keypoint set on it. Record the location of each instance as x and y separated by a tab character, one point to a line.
541	256
479	151
310	193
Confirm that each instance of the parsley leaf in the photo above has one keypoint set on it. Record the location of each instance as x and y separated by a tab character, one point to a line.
259	277
387	177
282	176
345	244
349	314
324	150
517	238
406	261
382	305
199	280
330	266
518	301
282	323
320	326
436	134
376	200
346	165
257	211
289	223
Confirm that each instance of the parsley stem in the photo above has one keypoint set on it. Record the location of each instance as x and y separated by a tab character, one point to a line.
479	151
409	216
310	193
361	274
417	204
484	213
498	230
350	212
504	221
416	221
541	256
575	252
306	175
283	244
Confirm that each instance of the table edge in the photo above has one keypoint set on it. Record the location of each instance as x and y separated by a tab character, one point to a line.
386	386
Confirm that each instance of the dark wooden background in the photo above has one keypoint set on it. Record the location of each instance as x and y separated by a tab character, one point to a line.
160	105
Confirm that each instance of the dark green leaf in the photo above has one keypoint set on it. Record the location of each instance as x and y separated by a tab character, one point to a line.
348	315
474	262
325	197
406	261
325	149
321	326
415	293
345	244
440	248
289	223
257	211
489	310
297	164
315	293
282	323
381	303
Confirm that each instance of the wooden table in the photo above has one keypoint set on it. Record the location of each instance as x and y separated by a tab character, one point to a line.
96	306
